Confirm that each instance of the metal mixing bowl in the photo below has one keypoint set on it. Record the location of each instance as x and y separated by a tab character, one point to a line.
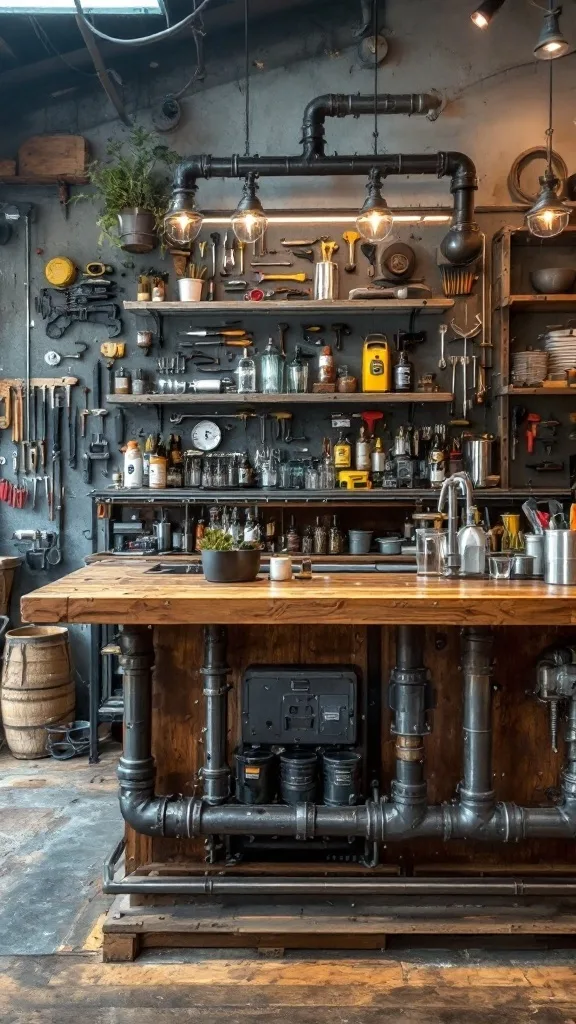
553	280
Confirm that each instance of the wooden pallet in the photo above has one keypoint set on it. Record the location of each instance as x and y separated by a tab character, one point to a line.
336	924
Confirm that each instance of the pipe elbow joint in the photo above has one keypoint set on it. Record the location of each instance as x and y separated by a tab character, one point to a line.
143	811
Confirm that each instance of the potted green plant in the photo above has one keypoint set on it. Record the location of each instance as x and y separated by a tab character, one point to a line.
223	561
133	190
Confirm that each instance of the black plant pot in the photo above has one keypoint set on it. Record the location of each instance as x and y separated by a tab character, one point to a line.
231	566
137	229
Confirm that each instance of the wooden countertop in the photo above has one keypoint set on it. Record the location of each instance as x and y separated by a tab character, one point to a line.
116	592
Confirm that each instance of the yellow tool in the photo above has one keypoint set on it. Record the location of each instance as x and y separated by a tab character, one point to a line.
354	479
113	349
327	250
97	269
351	237
282	277
60	272
376	363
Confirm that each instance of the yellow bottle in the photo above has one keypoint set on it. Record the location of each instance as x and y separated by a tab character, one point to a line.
376	363
342	453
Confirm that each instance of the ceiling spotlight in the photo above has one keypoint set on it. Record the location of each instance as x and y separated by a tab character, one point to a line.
375	221
183	221
551	43
483	14
249	220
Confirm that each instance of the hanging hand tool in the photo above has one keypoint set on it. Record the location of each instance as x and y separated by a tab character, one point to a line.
533	419
518	417
282	329
282	420
304	254
236	284
453	364
463	332
98	451
368	250
258	294
56	449
263	416
228	259
272	263
71	414
327	249
55	358
351	237
219	332
298	243
214	243
119	426
341	331
371	419
242	342
442	364
84	413
282	277
241	248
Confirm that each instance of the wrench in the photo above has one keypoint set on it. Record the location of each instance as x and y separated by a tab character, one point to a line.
442	364
453	364
351	237
54	358
214	243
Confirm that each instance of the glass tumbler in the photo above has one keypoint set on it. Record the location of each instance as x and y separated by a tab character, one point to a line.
430	552
499	567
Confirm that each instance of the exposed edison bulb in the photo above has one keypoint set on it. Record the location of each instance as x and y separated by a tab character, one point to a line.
479	19
548	222
249	225
249	220
375	225
182	226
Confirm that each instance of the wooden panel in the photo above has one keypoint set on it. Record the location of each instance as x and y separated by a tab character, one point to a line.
52	155
113	592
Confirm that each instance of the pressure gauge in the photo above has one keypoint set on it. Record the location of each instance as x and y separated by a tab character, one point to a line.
206	435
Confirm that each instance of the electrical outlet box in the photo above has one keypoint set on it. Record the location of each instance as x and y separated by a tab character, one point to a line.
303	704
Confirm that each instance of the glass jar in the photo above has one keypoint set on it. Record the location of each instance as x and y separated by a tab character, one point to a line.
311	477
232	463
297	374
297	475
207	471
271	370
285	476
327	475
430	551
219	476
269	472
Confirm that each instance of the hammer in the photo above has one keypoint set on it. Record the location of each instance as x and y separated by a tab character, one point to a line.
370	419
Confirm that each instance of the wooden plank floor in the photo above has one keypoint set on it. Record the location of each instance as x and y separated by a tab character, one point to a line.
437	988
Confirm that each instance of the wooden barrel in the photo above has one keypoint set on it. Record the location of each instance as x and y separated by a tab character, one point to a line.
37	687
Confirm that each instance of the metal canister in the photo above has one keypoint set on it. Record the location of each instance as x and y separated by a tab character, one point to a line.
560	557
534	545
522	565
341	769
256	775
298	774
326	280
478	459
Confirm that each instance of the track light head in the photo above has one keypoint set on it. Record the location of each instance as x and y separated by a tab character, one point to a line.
551	43
483	14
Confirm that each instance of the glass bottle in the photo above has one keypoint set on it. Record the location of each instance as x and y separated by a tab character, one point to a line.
214	518
175	471
308	541
245	472
199	530
270	535
320	537
326	366
149	449
293	537
297	374
335	538
235	527
404	374
251	527
271	370
342	452
377	462
246	374
362	450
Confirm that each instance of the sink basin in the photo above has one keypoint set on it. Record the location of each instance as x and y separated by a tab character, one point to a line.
165	569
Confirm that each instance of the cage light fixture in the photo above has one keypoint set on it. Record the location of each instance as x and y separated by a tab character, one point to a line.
375	220
483	14
183	221
549	216
249	220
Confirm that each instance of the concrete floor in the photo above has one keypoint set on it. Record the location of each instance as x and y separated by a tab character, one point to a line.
57	823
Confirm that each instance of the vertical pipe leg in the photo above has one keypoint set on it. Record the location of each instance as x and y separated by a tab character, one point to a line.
409	700
215	772
476	793
136	768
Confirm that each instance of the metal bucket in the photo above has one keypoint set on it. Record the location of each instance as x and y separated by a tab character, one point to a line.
298	774
255	776
359	541
478	459
341	770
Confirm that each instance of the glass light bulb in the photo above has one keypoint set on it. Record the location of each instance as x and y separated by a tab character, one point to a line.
181	228
479	19
547	222
249	225
375	225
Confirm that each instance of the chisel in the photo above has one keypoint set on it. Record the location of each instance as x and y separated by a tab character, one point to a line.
224	333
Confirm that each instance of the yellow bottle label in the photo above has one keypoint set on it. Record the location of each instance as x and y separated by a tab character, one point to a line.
342	456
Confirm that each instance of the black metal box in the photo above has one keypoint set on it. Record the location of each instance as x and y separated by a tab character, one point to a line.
304	704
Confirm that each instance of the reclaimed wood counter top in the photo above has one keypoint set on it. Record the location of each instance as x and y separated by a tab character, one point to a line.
114	592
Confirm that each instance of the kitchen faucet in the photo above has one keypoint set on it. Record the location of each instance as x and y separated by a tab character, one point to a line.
452	486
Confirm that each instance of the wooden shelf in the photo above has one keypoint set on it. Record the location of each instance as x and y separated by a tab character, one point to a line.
404	496
560	391
432	305
45	179
541	303
231	398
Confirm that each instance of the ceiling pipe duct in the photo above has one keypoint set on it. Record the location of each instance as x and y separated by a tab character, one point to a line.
462	243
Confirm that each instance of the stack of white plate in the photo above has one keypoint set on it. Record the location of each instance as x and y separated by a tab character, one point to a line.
561	348
529	368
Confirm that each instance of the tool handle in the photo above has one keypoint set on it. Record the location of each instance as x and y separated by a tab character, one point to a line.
283	277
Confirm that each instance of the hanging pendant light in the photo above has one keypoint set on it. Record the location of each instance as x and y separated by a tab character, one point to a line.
183	221
548	216
375	221
483	14
551	43
248	220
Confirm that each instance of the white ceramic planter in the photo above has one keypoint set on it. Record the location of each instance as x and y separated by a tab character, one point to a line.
190	289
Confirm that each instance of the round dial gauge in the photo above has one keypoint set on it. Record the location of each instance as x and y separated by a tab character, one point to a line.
206	435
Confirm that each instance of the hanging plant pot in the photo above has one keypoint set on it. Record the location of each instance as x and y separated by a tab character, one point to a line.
137	230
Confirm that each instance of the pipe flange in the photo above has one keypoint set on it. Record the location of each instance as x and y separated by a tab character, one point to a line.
305	818
194	819
135	663
137	775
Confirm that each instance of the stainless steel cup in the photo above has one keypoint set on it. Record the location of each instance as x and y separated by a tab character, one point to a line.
534	545
326	280
522	565
478	459
560	557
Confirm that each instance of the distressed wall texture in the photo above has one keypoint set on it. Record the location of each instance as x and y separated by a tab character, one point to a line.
496	107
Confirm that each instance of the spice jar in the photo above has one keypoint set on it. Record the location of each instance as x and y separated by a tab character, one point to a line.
122	382
326	366
346	384
144	341
138	383
158	289
144	293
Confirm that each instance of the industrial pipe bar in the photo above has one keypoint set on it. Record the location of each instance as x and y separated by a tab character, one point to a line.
463	241
215	773
407	815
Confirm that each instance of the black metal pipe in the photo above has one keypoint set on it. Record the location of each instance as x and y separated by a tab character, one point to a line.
476	791
345	105
215	772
